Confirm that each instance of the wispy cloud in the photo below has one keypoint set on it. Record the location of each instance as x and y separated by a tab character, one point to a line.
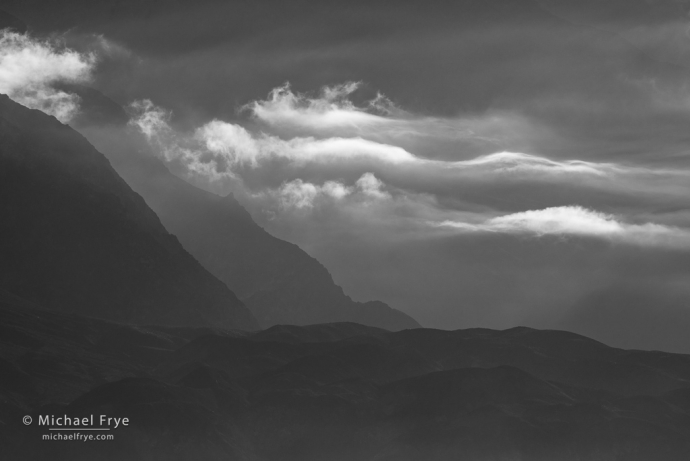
231	144
221	151
331	108
296	173
577	221
331	112
29	69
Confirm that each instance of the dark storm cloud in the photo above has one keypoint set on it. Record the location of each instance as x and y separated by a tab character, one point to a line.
517	167
588	88
440	58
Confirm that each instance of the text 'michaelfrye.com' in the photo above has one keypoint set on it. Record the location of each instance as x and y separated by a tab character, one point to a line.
82	428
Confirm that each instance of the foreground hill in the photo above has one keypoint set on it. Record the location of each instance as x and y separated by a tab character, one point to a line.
336	392
74	237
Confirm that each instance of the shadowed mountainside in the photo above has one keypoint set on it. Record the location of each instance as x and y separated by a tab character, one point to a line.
336	392
74	237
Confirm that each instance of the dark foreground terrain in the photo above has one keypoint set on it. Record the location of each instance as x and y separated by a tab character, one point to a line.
335	392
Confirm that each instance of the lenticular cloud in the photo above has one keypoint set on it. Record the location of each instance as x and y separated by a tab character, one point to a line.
577	221
29	69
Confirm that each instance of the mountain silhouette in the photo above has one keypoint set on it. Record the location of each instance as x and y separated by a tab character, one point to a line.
74	237
336	391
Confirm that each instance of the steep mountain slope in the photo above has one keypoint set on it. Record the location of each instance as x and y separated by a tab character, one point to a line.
336	392
277	280
74	237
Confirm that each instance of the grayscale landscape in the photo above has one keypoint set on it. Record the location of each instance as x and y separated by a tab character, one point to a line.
371	231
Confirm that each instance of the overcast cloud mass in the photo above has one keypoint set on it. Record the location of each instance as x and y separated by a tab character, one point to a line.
478	164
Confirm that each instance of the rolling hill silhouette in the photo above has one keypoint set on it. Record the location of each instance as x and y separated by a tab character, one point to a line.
337	391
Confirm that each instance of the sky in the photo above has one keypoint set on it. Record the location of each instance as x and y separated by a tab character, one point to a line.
473	163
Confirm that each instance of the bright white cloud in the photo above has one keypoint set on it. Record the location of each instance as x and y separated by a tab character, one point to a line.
236	144
330	109
154	123
336	190
240	146
331	113
558	220
576	221
152	120
371	186
29	68
519	162
300	194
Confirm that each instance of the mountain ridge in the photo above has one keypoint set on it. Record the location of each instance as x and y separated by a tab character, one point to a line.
76	238
337	391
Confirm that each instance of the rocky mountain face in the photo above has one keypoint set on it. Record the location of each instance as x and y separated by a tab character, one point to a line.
277	280
75	238
336	392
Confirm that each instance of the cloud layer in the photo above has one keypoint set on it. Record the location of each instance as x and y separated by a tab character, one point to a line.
333	162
